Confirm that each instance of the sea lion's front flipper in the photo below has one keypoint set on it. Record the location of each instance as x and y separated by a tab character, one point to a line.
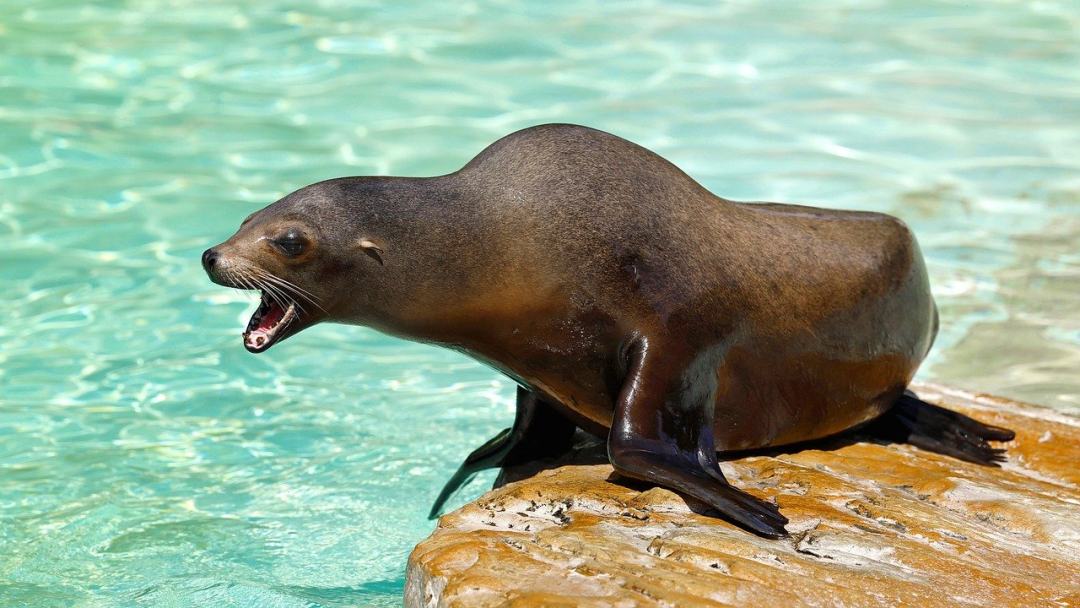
662	433
936	429
539	431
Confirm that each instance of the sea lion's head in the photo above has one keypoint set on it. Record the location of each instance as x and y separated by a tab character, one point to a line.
303	254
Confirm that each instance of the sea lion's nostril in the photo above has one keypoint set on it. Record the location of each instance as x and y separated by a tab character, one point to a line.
209	258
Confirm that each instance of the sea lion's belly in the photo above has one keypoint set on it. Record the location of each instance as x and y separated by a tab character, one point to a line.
779	389
801	397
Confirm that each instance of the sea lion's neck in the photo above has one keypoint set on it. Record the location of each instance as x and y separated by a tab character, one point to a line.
440	263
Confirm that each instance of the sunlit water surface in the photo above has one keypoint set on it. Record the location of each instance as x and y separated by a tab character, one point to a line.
147	459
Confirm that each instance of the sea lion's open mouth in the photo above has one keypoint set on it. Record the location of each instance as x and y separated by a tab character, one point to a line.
269	322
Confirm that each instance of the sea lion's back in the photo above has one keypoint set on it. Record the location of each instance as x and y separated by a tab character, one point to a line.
574	166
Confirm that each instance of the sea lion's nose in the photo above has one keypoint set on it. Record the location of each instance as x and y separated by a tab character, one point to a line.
209	258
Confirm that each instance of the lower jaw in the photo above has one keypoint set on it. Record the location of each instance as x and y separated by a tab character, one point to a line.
258	344
254	347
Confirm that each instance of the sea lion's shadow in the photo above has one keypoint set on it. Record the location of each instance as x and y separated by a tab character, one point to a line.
592	450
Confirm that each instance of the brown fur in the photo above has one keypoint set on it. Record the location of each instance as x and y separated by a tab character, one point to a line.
623	295
558	244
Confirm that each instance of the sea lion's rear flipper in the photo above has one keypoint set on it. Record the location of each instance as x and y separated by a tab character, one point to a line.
538	432
662	433
937	429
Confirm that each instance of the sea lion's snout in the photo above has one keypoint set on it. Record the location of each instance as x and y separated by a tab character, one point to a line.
209	257
217	268
211	263
284	307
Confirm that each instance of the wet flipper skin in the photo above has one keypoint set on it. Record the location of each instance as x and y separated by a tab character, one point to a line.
937	429
539	431
662	433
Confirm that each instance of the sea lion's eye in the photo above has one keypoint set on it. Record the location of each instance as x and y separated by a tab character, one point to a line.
292	243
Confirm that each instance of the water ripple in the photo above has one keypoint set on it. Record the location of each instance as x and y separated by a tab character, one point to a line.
147	459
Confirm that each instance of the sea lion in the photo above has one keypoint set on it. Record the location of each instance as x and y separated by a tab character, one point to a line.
624	298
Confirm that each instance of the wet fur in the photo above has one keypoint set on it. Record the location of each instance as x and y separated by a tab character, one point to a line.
623	294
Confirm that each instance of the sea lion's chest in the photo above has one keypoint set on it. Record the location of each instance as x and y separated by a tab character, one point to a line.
567	352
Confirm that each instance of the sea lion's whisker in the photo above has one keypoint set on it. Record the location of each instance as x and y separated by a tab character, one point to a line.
289	284
233	277
307	295
290	288
272	288
245	281
239	277
283	295
275	281
281	299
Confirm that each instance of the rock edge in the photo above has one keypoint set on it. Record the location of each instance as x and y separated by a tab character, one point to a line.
871	524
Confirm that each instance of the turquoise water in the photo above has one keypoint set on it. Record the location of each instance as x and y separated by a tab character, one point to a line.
146	459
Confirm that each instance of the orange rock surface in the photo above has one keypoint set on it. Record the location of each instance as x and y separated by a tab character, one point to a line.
871	525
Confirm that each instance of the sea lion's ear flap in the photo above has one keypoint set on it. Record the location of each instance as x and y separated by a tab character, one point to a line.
372	250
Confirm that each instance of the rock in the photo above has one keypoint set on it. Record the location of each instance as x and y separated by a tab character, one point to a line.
871	525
